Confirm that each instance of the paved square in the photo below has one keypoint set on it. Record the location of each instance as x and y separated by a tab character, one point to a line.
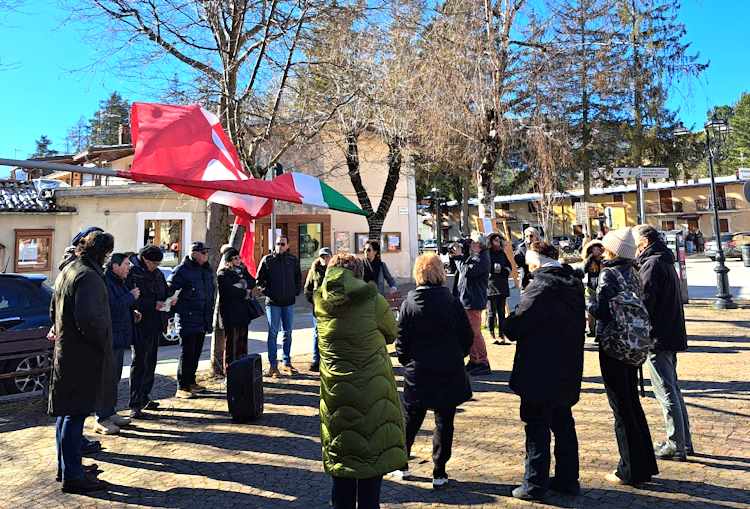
190	454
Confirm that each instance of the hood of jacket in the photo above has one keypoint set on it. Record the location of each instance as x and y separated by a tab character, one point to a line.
657	250
340	288
562	277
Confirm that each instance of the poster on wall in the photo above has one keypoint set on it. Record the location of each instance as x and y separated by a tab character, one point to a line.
342	242
392	242
359	241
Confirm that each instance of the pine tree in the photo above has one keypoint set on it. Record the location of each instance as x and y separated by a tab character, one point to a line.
43	147
104	126
740	134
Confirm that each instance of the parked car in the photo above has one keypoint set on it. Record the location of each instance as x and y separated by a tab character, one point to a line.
25	352
730	243
429	245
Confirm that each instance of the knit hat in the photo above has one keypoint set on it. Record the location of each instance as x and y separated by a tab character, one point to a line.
230	253
151	253
621	242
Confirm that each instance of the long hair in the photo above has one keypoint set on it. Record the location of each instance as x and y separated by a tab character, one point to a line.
375	245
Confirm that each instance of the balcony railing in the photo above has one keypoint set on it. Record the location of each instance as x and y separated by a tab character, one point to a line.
674	206
724	204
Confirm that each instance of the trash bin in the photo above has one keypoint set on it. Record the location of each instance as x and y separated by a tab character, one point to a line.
745	248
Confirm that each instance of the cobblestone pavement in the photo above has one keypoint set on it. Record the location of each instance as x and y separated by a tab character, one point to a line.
189	454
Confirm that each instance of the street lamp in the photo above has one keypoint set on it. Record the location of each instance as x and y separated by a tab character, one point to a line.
716	130
438	217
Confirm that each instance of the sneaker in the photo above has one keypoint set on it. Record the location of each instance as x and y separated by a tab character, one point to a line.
613	478
151	405
106	427
197	388
315	367
119	420
401	475
480	370
184	394
439	482
669	452
525	493
87	484
92	469
273	372
567	488
290	370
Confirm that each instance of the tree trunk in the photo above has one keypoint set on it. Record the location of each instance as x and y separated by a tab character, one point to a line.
465	226
217	234
485	186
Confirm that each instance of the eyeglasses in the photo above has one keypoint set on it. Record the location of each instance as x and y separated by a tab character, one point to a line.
281	243
369	250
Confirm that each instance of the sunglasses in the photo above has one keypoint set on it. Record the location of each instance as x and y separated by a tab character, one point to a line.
281	243
369	250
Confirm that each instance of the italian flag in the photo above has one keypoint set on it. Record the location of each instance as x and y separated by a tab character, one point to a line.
315	192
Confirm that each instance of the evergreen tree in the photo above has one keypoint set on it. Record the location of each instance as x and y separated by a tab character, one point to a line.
104	126
44	147
740	134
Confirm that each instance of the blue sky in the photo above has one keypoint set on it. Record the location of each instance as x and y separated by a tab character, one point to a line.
46	81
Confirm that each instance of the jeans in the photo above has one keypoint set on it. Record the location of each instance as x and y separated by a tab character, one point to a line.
284	316
143	367
69	434
495	313
666	386
235	346
316	350
540	420
105	413
442	437
356	493
192	346
478	350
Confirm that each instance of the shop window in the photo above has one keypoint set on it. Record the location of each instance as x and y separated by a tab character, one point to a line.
310	241
167	235
33	250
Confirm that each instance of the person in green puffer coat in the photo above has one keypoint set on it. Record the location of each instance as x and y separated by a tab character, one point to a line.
361	422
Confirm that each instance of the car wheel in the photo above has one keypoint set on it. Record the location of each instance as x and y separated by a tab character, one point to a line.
24	382
712	258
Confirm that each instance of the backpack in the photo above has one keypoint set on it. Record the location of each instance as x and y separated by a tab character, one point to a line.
627	337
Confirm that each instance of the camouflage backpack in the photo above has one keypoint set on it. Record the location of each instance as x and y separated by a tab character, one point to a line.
628	336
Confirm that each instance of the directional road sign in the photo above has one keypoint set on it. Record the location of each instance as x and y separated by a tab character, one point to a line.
744	173
621	173
643	172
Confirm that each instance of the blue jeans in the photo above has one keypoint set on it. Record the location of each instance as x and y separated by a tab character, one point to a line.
284	316
69	434
666	386
105	413
316	351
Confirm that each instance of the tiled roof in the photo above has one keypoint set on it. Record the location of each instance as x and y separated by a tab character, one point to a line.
20	196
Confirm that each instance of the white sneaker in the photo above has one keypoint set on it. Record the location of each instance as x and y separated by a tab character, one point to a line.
439	482
184	394
119	420
401	475
106	427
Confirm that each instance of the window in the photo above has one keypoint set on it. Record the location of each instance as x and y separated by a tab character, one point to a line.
33	250
359	241
667	225
505	205
14	296
391	242
618	198
665	201
532	207
310	241
167	235
575	199
724	225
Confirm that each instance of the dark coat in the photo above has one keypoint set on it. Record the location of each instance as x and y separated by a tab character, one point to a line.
548	326
520	257
500	269
234	305
82	368
153	287
592	267
314	278
195	305
434	337
121	303
609	286
473	278
661	295
280	277
377	272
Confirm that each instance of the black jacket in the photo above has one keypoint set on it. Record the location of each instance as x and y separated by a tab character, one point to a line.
314	278
434	337
153	287
234	305
82	367
520	257
500	269
195	305
280	278
121	303
548	325
473	278
608	287
661	295
591	268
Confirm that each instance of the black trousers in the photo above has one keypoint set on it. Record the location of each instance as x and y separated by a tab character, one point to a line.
442	436
542	420
192	346
356	493
495	313
143	367
637	460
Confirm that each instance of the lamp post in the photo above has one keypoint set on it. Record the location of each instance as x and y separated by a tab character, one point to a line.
719	129
438	217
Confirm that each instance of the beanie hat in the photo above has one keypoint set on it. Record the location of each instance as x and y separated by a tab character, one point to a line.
229	254
151	253
621	242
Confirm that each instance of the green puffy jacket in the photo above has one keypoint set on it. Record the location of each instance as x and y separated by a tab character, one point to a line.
361	423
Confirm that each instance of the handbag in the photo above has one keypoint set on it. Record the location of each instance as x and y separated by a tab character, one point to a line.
256	309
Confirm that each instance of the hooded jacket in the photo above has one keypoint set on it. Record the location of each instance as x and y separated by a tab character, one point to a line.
548	325
661	295
361	422
195	304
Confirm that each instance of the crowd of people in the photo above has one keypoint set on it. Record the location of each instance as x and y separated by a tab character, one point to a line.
627	290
